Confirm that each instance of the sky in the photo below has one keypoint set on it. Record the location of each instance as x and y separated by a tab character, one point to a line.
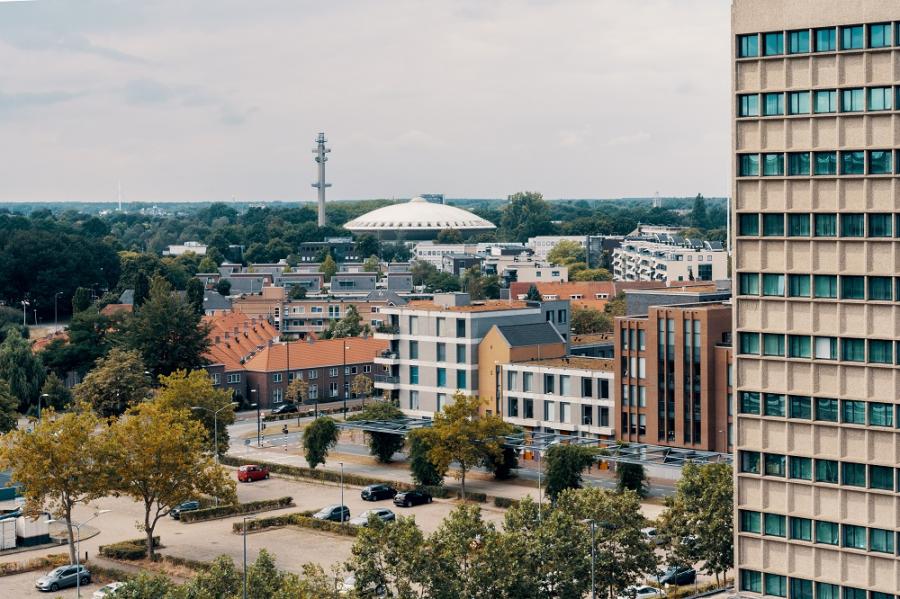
206	100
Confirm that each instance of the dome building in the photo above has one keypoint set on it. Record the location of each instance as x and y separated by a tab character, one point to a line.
417	219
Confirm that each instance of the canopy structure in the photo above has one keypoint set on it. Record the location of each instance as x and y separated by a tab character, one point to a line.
632	453
417	218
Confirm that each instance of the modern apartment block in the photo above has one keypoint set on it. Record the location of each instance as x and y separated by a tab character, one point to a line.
434	344
815	201
670	259
674	377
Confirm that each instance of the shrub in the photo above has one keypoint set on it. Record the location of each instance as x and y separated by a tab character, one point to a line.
132	549
38	563
303	519
479	497
505	502
224	511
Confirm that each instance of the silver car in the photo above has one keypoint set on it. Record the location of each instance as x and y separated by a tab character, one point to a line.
62	577
382	513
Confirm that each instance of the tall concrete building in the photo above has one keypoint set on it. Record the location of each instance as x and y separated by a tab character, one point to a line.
815	192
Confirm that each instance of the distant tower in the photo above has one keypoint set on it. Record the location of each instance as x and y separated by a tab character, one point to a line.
657	201
320	151
120	196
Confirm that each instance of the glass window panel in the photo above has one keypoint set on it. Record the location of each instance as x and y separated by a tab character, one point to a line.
749	343
881	414
853	287
853	475
748	46
826	163
752	581
773	344
881	540
880	225
881	351
880	35
773	165
881	477
801	407
826	39
826	532
852	37
880	162
825	286
854	537
799	346
853	163
824	101
748	165
827	471
775	525
773	284
825	590
798	164
748	224
825	348
798	103
798	41
775	585
853	225
774	464
773	104
750	521
852	593
853	412
748	283
880	98
853	350
801	468
826	409
801	588
774	404
853	100
773	44
748	105
773	225
798	286
801	529
749	402
750	462
798	224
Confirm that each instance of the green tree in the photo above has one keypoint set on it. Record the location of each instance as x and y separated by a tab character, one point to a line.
616	306
297	390
90	338
207	265
223	287
392	556
586	321
161	460
319	437
372	264
9	415
564	465
699	218
10	319
525	215
633	478
362	386
265	581
146	586
367	245
566	252
117	382
183	390
81	300
328	267
348	326
194	295
502	468
220	581
533	294
167	331
449	236
298	292
57	394
453	553
462	435
473	283
702	509
421	271
141	289
422	468
60	464
381	445
590	274
22	369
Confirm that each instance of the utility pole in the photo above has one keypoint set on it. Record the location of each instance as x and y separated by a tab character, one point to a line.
320	151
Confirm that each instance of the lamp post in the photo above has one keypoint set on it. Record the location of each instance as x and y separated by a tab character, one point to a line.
215	414
25	305
77	527
244	531
258	420
39	403
593	556
55	311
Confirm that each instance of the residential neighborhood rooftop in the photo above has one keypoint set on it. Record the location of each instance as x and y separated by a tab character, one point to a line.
316	354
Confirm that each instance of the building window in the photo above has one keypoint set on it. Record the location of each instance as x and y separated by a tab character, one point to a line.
277	395
825	286
528	408
881	414
587	387
750	521
826	39
880	225
413	375
853	350
798	41
853	287
748	46
881	541
801	407
749	343
512	407
313	374
461	379
276	378
798	103
773	344
800	468
798	224
460	354
332	372
748	165
773	44
852	37
880	162
749	462
774	465
824	101
825	348
881	477
773	285
773	104
413	325
549	387
826	409
853	225
880	98
880	35
881	351
549	411
774	405
776	585
748	224
773	224
441	401
748	105
853	475
748	283
826	471
798	286
441	352
604	388
825	590
826	163
587	415
853	100
801	530
565	384
798	164
215	378
441	377
527	380
604	416
854	537
826	533
853	163
234	378
774	525
460	328
751	581
512	379
565	412
332	389
413	400
825	225
801	589
313	391
413	350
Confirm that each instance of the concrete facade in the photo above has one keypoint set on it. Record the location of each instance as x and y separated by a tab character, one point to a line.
817	385
648	260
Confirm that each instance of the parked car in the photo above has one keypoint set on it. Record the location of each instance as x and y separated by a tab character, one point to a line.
642	592
252	472
334	513
652	536
678	575
378	492
410	498
62	577
382	513
187	506
286	408
349	588
108	591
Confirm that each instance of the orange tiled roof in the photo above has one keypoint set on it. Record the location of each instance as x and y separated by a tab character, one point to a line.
40	344
478	306
235	336
318	354
110	309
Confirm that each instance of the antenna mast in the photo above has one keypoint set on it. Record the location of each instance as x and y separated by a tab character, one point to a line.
320	151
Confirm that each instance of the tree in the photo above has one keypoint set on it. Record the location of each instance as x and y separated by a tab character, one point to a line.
586	321
220	581
367	245
21	369
117	382
372	264
145	586
391	556
348	326
207	265
297	390
319	436
702	509
195	294
81	300
265	581
167	331
58	395
502	468
298	292
631	477
183	390
141	289
8	405
223	287
381	445
461	434
449	236
473	283
453	553
421	271
533	294
90	338
60	464
590	274
10	319
566	252
423	470
160	460
564	465
699	218
525	215
328	267
362	386
617	306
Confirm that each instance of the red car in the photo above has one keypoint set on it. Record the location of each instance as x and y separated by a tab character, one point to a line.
252	472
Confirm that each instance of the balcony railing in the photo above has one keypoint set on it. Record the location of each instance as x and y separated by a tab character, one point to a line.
388	329
387	378
392	355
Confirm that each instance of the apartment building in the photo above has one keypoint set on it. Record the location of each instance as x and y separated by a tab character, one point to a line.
594	246
669	258
433	349
433	252
674	377
234	338
815	201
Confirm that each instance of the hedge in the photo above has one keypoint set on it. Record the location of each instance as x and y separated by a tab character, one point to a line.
322	475
269	522
303	519
224	511
479	497
38	563
132	549
505	502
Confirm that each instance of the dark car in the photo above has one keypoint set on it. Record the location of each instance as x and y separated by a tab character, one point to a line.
410	498
678	575
62	577
187	506
286	408
334	513
378	492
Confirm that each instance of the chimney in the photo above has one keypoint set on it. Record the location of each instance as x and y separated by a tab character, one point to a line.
217	338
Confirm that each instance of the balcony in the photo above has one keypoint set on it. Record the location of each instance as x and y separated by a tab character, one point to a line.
387	382
387	358
387	331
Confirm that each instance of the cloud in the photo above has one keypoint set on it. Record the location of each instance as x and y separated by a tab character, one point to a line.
12	103
629	139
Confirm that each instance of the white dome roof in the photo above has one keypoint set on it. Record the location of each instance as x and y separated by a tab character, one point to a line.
418	214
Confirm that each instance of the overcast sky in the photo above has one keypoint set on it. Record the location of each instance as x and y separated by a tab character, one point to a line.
212	99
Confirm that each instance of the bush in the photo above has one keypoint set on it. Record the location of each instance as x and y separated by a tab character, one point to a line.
224	511
326	525
479	497
133	549
505	502
270	522
38	563
303	519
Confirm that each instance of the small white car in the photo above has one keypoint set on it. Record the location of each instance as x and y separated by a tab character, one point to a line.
108	591
642	592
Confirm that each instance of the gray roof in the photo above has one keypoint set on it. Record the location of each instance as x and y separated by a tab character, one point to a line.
383	295
127	297
213	300
539	333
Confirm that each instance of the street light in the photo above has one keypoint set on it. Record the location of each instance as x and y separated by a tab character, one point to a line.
593	556
39	403
258	420
25	304
342	492
77	527
215	414
245	518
